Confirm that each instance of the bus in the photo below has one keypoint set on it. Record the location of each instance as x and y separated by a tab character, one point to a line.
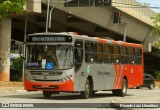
68	62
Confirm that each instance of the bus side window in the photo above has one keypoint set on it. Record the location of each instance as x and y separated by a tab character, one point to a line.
78	54
124	58
107	53
116	54
98	53
89	52
131	55
138	56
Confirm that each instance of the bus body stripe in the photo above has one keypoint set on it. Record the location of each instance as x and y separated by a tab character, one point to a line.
120	76
115	80
117	77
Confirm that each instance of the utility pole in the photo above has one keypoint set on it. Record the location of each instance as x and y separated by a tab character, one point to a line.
48	4
124	31
49	13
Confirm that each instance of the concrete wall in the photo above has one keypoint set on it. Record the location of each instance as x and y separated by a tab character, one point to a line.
135	9
102	16
33	6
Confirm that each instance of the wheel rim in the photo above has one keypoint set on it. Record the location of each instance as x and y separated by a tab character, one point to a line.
87	89
124	87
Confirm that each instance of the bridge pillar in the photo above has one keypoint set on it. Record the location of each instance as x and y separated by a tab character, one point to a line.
5	41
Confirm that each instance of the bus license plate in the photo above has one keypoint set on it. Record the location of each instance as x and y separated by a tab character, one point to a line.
45	86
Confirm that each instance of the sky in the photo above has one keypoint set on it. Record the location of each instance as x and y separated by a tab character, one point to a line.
153	3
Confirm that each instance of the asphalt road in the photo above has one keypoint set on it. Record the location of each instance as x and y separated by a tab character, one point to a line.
100	100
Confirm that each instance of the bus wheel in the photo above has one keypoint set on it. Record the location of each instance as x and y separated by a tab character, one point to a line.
92	93
123	91
47	94
85	94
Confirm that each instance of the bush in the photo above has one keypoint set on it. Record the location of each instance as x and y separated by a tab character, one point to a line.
18	66
157	75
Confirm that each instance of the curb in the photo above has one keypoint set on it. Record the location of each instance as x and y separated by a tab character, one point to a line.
21	91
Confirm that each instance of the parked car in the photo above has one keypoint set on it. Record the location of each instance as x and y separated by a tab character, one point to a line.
148	81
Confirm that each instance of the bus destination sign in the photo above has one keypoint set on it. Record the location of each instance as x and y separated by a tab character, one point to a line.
49	38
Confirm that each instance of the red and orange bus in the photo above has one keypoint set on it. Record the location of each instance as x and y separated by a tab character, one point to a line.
66	62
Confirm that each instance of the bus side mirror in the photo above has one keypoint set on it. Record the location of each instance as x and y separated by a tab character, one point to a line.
21	51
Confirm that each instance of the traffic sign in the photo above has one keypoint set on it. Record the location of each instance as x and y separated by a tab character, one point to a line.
49	66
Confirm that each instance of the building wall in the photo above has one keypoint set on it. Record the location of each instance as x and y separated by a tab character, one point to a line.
135	9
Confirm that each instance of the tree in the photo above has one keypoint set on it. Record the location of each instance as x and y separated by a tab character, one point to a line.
11	7
156	22
156	26
8	8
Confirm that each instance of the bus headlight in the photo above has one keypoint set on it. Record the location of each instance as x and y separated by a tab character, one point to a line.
27	75
64	79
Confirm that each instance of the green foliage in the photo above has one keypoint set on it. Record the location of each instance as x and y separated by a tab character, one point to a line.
156	22
10	7
18	65
156	26
157	44
157	75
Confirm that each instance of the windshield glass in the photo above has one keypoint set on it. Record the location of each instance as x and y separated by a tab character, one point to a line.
49	57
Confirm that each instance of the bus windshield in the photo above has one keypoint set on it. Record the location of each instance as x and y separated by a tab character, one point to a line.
49	57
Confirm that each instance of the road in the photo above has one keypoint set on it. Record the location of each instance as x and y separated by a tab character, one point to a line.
142	95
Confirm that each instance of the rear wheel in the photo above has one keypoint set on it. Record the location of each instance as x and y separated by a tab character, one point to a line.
92	93
124	88
85	94
121	92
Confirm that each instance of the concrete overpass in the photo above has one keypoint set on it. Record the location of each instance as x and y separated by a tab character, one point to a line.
94	21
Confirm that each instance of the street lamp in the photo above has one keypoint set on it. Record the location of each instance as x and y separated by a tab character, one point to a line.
49	13
48	3
124	31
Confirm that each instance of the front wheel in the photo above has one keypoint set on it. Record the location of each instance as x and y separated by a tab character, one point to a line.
85	94
47	94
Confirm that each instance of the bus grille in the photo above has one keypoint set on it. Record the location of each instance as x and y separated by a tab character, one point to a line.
41	87
47	73
46	80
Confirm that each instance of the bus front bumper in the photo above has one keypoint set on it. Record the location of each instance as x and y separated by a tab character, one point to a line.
67	86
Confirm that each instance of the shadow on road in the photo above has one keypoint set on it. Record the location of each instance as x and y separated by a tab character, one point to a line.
61	96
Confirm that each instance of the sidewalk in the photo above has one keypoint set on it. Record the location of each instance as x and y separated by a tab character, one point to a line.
11	87
4	90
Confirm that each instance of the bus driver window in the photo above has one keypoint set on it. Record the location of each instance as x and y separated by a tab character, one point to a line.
51	56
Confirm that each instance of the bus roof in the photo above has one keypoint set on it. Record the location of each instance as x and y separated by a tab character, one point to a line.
88	38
